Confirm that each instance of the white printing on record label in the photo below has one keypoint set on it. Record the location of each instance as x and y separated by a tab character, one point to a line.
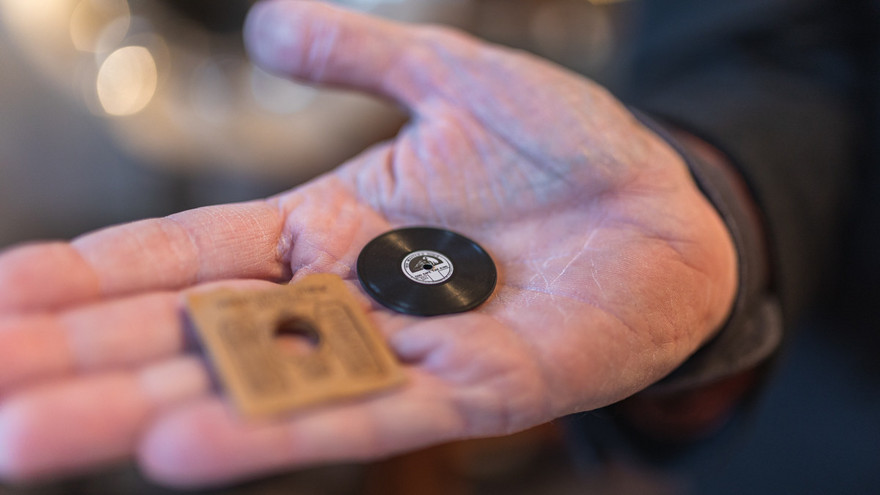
427	267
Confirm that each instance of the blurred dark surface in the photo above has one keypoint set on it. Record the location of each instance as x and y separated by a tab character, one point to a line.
62	173
814	429
227	19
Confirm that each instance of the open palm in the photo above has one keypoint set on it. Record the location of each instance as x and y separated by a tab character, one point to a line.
612	270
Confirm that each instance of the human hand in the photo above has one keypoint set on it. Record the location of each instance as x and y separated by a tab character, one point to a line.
612	270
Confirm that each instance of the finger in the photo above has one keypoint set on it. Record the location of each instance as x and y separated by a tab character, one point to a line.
71	426
324	44
205	443
473	378
431	70
120	333
329	45
220	242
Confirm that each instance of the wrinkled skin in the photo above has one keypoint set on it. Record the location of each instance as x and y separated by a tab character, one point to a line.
612	270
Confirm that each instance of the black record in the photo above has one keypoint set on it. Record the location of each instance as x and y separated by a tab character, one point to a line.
426	271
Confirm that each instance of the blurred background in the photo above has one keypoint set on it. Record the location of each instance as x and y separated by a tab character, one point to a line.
114	110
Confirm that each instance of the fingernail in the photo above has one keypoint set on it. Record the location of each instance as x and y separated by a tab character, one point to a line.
269	33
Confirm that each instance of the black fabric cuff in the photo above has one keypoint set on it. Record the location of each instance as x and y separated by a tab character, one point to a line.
754	328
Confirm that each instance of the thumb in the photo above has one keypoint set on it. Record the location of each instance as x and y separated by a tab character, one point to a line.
315	42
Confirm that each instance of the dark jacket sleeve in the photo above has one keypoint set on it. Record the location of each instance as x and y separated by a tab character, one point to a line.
773	84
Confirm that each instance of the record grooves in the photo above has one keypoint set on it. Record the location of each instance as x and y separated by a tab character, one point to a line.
426	271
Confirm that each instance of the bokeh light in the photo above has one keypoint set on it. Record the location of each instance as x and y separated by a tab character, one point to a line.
95	24
127	81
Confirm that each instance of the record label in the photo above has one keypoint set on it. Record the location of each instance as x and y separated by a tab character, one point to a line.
427	267
426	271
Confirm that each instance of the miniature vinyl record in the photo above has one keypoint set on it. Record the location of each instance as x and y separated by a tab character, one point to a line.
426	271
